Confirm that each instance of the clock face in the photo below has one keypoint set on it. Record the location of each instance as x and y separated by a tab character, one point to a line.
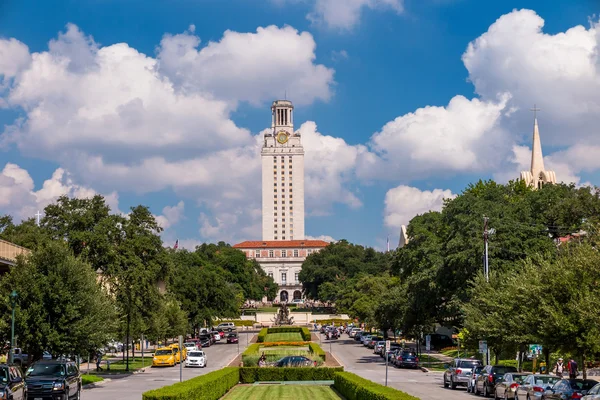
282	137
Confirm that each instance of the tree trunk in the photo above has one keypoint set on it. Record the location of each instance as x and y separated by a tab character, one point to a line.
133	349
583	366
546	351
127	341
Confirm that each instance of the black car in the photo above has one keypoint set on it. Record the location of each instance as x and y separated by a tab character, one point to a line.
490	376
569	389
205	340
294	361
12	385
53	379
406	359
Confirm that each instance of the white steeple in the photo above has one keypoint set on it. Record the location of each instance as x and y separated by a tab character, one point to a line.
537	175
403	237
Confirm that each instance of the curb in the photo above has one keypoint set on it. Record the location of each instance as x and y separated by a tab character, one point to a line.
96	384
424	369
336	359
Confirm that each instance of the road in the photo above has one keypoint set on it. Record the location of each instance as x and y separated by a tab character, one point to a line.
131	387
359	360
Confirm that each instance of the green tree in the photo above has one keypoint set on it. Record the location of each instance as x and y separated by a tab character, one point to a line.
60	306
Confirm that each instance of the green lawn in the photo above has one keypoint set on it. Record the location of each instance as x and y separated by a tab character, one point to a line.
85	379
282	392
118	366
284	337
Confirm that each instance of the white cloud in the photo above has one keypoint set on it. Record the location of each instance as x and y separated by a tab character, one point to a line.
325	238
245	67
345	14
339	55
14	56
171	215
557	72
19	198
461	137
402	203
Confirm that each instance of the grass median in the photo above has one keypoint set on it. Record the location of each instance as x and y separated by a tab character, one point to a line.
282	392
284	337
87	379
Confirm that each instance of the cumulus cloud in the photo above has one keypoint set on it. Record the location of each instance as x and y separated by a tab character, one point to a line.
325	238
402	203
245	67
557	72
171	215
19	198
461	137
345	14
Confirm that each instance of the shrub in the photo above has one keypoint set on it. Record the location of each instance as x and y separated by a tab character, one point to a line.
353	387
262	335
262	374
317	351
211	386
336	321
252	349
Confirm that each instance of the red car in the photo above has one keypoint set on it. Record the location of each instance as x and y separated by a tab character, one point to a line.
232	338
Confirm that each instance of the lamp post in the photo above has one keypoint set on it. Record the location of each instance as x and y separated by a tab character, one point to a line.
13	303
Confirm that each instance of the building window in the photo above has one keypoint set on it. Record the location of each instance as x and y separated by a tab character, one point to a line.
275	190
275	214
275	184
282	201
291	202
290	198
296	253
290	186
271	253
291	208
275	237
274	201
291	238
275	232
290	172
283	190
282	178
283	252
256	253
291	190
275	208
275	226
283	213
275	196
283	238
291	213
296	277
271	275
284	277
282	219
283	232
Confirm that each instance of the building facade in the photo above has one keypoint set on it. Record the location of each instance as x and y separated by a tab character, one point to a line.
8	255
537	176
282	157
282	260
283	247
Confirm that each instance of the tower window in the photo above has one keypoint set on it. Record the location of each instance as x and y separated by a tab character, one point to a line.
284	252
271	253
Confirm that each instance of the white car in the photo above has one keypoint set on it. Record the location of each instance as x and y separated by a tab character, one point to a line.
191	346
217	336
196	359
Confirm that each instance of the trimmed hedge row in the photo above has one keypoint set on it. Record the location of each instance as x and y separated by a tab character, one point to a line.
262	374
211	386
353	387
317	350
252	349
288	329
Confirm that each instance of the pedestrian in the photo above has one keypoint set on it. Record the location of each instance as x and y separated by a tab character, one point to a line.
572	367
559	368
98	360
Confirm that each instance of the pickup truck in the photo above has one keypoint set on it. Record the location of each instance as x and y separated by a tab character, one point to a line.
20	358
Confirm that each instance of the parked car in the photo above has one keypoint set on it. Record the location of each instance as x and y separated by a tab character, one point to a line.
226	326
394	347
196	359
205	340
535	385
506	387
294	361
459	372
232	337
53	379
190	346
475	372
12	384
406	359
491	374
366	339
374	339
164	356
20	358
353	332
379	347
216	335
569	389
593	393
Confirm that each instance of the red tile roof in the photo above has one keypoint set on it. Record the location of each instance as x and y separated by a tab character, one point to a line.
264	244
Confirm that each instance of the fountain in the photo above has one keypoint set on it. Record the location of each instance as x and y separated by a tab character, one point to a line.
283	316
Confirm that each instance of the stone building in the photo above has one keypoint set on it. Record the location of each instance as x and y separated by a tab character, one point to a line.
8	255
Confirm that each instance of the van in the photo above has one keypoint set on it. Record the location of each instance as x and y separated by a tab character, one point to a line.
226	326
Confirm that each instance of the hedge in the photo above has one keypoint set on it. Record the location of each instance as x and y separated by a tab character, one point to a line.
317	350
353	387
211	386
267	374
288	329
336	321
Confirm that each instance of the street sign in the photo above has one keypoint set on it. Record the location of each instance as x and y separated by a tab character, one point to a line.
483	347
387	346
428	342
535	349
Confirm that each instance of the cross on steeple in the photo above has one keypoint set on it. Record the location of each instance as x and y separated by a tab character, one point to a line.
38	215
535	110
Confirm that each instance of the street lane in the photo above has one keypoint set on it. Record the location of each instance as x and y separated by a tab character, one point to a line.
360	360
131	387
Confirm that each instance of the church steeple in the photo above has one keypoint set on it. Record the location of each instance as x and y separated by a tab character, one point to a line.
537	176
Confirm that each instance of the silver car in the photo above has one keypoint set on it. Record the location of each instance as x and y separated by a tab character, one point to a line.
459	372
534	386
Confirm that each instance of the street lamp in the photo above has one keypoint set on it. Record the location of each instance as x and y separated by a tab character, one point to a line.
13	303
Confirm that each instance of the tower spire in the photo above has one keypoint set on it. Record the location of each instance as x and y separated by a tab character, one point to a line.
537	158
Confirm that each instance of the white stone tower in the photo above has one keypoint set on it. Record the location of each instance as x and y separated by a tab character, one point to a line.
537	175
282	177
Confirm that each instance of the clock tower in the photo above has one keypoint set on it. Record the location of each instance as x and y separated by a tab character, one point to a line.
282	177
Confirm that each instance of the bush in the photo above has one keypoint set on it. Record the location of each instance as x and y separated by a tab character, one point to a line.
526	365
211	386
262	374
336	321
317	351
262	335
353	387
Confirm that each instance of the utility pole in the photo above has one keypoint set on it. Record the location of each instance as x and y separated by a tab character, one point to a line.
486	266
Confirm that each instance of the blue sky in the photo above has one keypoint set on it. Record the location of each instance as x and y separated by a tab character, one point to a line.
396	109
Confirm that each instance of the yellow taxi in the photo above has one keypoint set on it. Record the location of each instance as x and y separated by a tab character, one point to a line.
164	356
180	355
